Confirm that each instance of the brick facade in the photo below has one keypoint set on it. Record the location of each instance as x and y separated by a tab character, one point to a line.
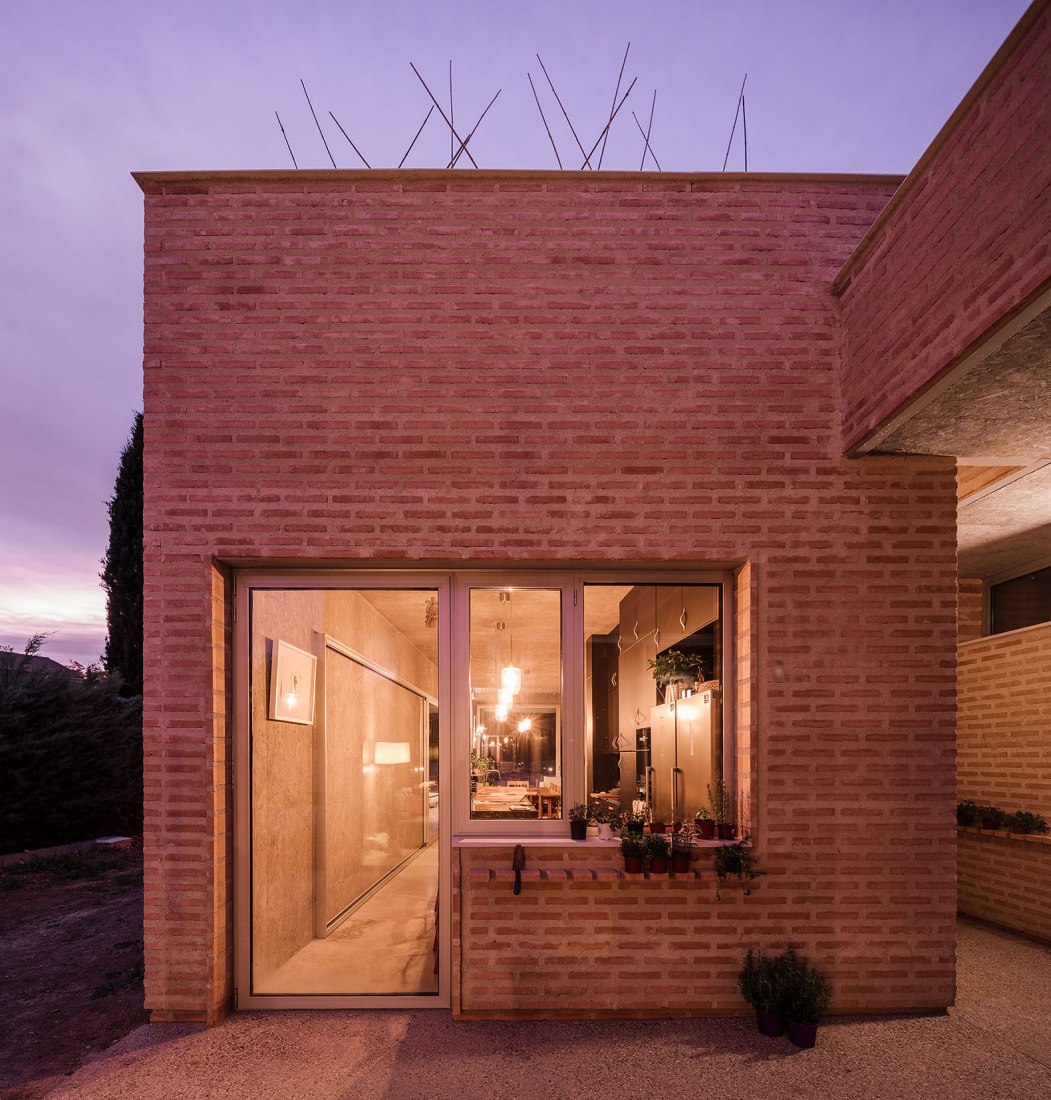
531	367
963	246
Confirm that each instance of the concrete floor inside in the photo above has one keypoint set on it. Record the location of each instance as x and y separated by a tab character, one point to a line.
383	947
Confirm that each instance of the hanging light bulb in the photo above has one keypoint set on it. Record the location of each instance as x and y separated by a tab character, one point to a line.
511	677
525	725
505	697
501	713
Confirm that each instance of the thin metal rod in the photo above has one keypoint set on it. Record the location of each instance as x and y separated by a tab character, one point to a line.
318	124
649	130
744	127
544	120
463	145
605	129
647	148
441	112
352	145
616	92
587	160
734	127
452	112
418	132
285	136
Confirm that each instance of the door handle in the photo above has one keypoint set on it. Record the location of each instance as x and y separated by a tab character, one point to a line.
676	801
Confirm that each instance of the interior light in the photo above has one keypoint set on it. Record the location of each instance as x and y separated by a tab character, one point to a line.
511	677
505	697
392	752
480	730
501	713
525	725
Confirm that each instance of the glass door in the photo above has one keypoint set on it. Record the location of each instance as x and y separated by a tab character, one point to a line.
343	796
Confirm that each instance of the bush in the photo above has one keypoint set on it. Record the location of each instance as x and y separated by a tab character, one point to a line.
806	993
761	982
70	757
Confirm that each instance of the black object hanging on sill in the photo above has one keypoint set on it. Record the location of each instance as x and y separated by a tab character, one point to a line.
518	863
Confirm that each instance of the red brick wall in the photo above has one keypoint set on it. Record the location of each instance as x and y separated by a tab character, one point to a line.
533	367
1006	880
1005	720
963	245
969	611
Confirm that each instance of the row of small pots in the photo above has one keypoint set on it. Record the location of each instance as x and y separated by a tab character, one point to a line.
775	1024
633	865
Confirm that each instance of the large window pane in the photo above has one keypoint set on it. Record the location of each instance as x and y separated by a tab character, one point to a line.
516	703
652	746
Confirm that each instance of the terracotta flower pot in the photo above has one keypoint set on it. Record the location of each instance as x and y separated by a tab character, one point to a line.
633	865
991	825
769	1023
706	829
725	830
680	864
803	1035
658	827
1020	830
658	866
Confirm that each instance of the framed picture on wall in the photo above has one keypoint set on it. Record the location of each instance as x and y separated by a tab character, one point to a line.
293	673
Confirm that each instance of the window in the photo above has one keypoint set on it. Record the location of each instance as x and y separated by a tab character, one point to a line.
1020	602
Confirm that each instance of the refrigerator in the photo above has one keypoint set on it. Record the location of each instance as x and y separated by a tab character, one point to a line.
684	754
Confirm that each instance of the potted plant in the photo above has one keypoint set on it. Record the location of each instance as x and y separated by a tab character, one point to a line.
609	824
1023	822
633	849
658	828
635	823
675	667
966	813
578	821
737	860
992	817
721	808
806	999
762	986
705	824
657	848
681	851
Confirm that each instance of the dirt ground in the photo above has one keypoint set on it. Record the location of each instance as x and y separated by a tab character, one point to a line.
70	964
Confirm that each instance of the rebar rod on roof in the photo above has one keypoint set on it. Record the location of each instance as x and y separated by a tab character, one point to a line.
442	113
744	130
463	144
418	132
616	92
587	159
352	145
544	120
318	124
733	129
285	136
605	129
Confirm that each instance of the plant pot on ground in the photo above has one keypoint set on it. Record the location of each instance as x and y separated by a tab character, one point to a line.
633	849
806	999
657	848
578	821
761	984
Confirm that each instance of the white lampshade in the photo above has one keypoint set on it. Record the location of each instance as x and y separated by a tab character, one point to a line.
505	697
501	713
392	752
511	677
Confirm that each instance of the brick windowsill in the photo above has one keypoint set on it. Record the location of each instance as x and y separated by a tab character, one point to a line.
536	841
584	874
1005	834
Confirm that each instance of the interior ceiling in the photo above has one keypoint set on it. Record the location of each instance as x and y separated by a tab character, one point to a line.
994	416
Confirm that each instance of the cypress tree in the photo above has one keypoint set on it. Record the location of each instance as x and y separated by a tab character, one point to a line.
122	569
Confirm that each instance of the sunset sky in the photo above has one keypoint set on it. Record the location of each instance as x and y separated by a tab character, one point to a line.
90	92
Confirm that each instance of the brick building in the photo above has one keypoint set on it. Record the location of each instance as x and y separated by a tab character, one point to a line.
417	438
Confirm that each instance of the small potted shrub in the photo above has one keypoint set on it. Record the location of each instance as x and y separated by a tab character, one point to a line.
675	667
719	801
735	860
609	824
657	848
658	828
992	817
762	986
681	851
635	823
966	813
705	824
633	849
806	999
578	821
1023	822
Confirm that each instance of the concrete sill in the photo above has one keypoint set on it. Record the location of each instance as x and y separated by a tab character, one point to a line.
584	874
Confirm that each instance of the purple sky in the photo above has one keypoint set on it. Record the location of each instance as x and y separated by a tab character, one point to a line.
92	91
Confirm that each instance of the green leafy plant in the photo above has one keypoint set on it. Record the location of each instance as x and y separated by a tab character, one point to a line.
674	667
992	817
657	847
632	847
761	981
966	813
719	802
703	814
682	842
579	812
736	859
1030	822
807	994
482	766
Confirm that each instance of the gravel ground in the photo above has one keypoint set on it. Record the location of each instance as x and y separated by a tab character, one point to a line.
995	1045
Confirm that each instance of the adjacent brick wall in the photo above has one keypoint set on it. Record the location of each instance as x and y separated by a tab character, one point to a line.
969	612
964	243
471	368
1006	881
